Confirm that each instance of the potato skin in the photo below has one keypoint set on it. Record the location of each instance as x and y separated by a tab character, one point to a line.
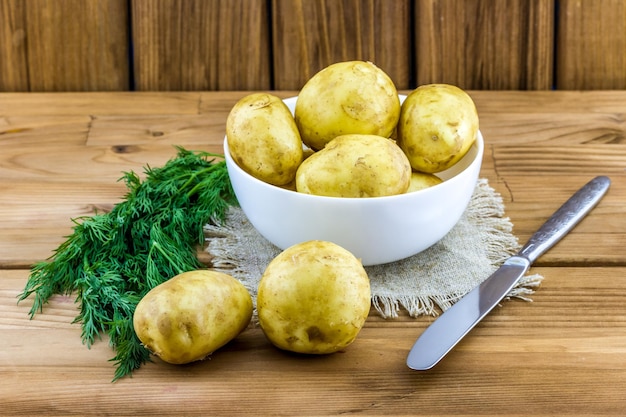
437	126
263	138
355	166
313	298
191	315
422	180
343	98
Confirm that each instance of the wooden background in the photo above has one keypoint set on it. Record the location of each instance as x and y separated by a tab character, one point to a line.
150	45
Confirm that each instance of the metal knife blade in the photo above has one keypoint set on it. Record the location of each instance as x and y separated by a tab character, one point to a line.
449	328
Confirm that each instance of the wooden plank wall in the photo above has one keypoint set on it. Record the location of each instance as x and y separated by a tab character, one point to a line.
109	45
64	45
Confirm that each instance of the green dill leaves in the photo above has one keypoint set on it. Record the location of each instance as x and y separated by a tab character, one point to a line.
112	260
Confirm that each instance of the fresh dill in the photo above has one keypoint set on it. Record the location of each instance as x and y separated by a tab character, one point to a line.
111	260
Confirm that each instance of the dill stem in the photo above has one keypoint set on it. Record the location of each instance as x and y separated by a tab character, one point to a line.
195	175
158	247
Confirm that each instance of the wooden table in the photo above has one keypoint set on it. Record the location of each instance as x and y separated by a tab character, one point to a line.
563	354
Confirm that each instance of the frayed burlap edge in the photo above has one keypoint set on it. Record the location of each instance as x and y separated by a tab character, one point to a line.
419	305
485	211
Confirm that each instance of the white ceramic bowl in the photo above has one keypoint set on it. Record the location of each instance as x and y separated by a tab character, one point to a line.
377	230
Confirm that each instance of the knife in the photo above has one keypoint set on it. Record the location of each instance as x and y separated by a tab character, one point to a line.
449	328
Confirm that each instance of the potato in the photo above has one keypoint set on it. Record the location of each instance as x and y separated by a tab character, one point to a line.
314	298
346	97
355	166
438	124
191	315
263	138
422	180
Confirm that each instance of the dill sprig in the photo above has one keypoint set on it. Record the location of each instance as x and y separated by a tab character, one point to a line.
111	260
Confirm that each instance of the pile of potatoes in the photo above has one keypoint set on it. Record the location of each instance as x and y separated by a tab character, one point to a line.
350	136
313	298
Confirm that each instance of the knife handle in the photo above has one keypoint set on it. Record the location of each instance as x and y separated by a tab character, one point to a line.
565	218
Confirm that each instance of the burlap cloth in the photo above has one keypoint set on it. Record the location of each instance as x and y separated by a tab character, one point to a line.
426	283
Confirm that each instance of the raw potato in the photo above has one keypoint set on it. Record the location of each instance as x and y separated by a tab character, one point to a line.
314	298
346	97
422	180
438	124
263	138
355	166
191	315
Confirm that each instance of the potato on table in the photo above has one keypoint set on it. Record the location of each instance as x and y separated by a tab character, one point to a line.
191	315
314	298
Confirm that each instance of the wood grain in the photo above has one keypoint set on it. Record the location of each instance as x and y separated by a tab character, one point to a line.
591	45
13	60
562	354
484	44
100	103
309	35
201	45
71	45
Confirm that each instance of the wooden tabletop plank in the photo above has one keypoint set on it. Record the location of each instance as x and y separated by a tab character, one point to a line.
35	206
125	103
549	102
98	103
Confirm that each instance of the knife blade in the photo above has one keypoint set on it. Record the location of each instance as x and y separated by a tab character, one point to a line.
448	329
